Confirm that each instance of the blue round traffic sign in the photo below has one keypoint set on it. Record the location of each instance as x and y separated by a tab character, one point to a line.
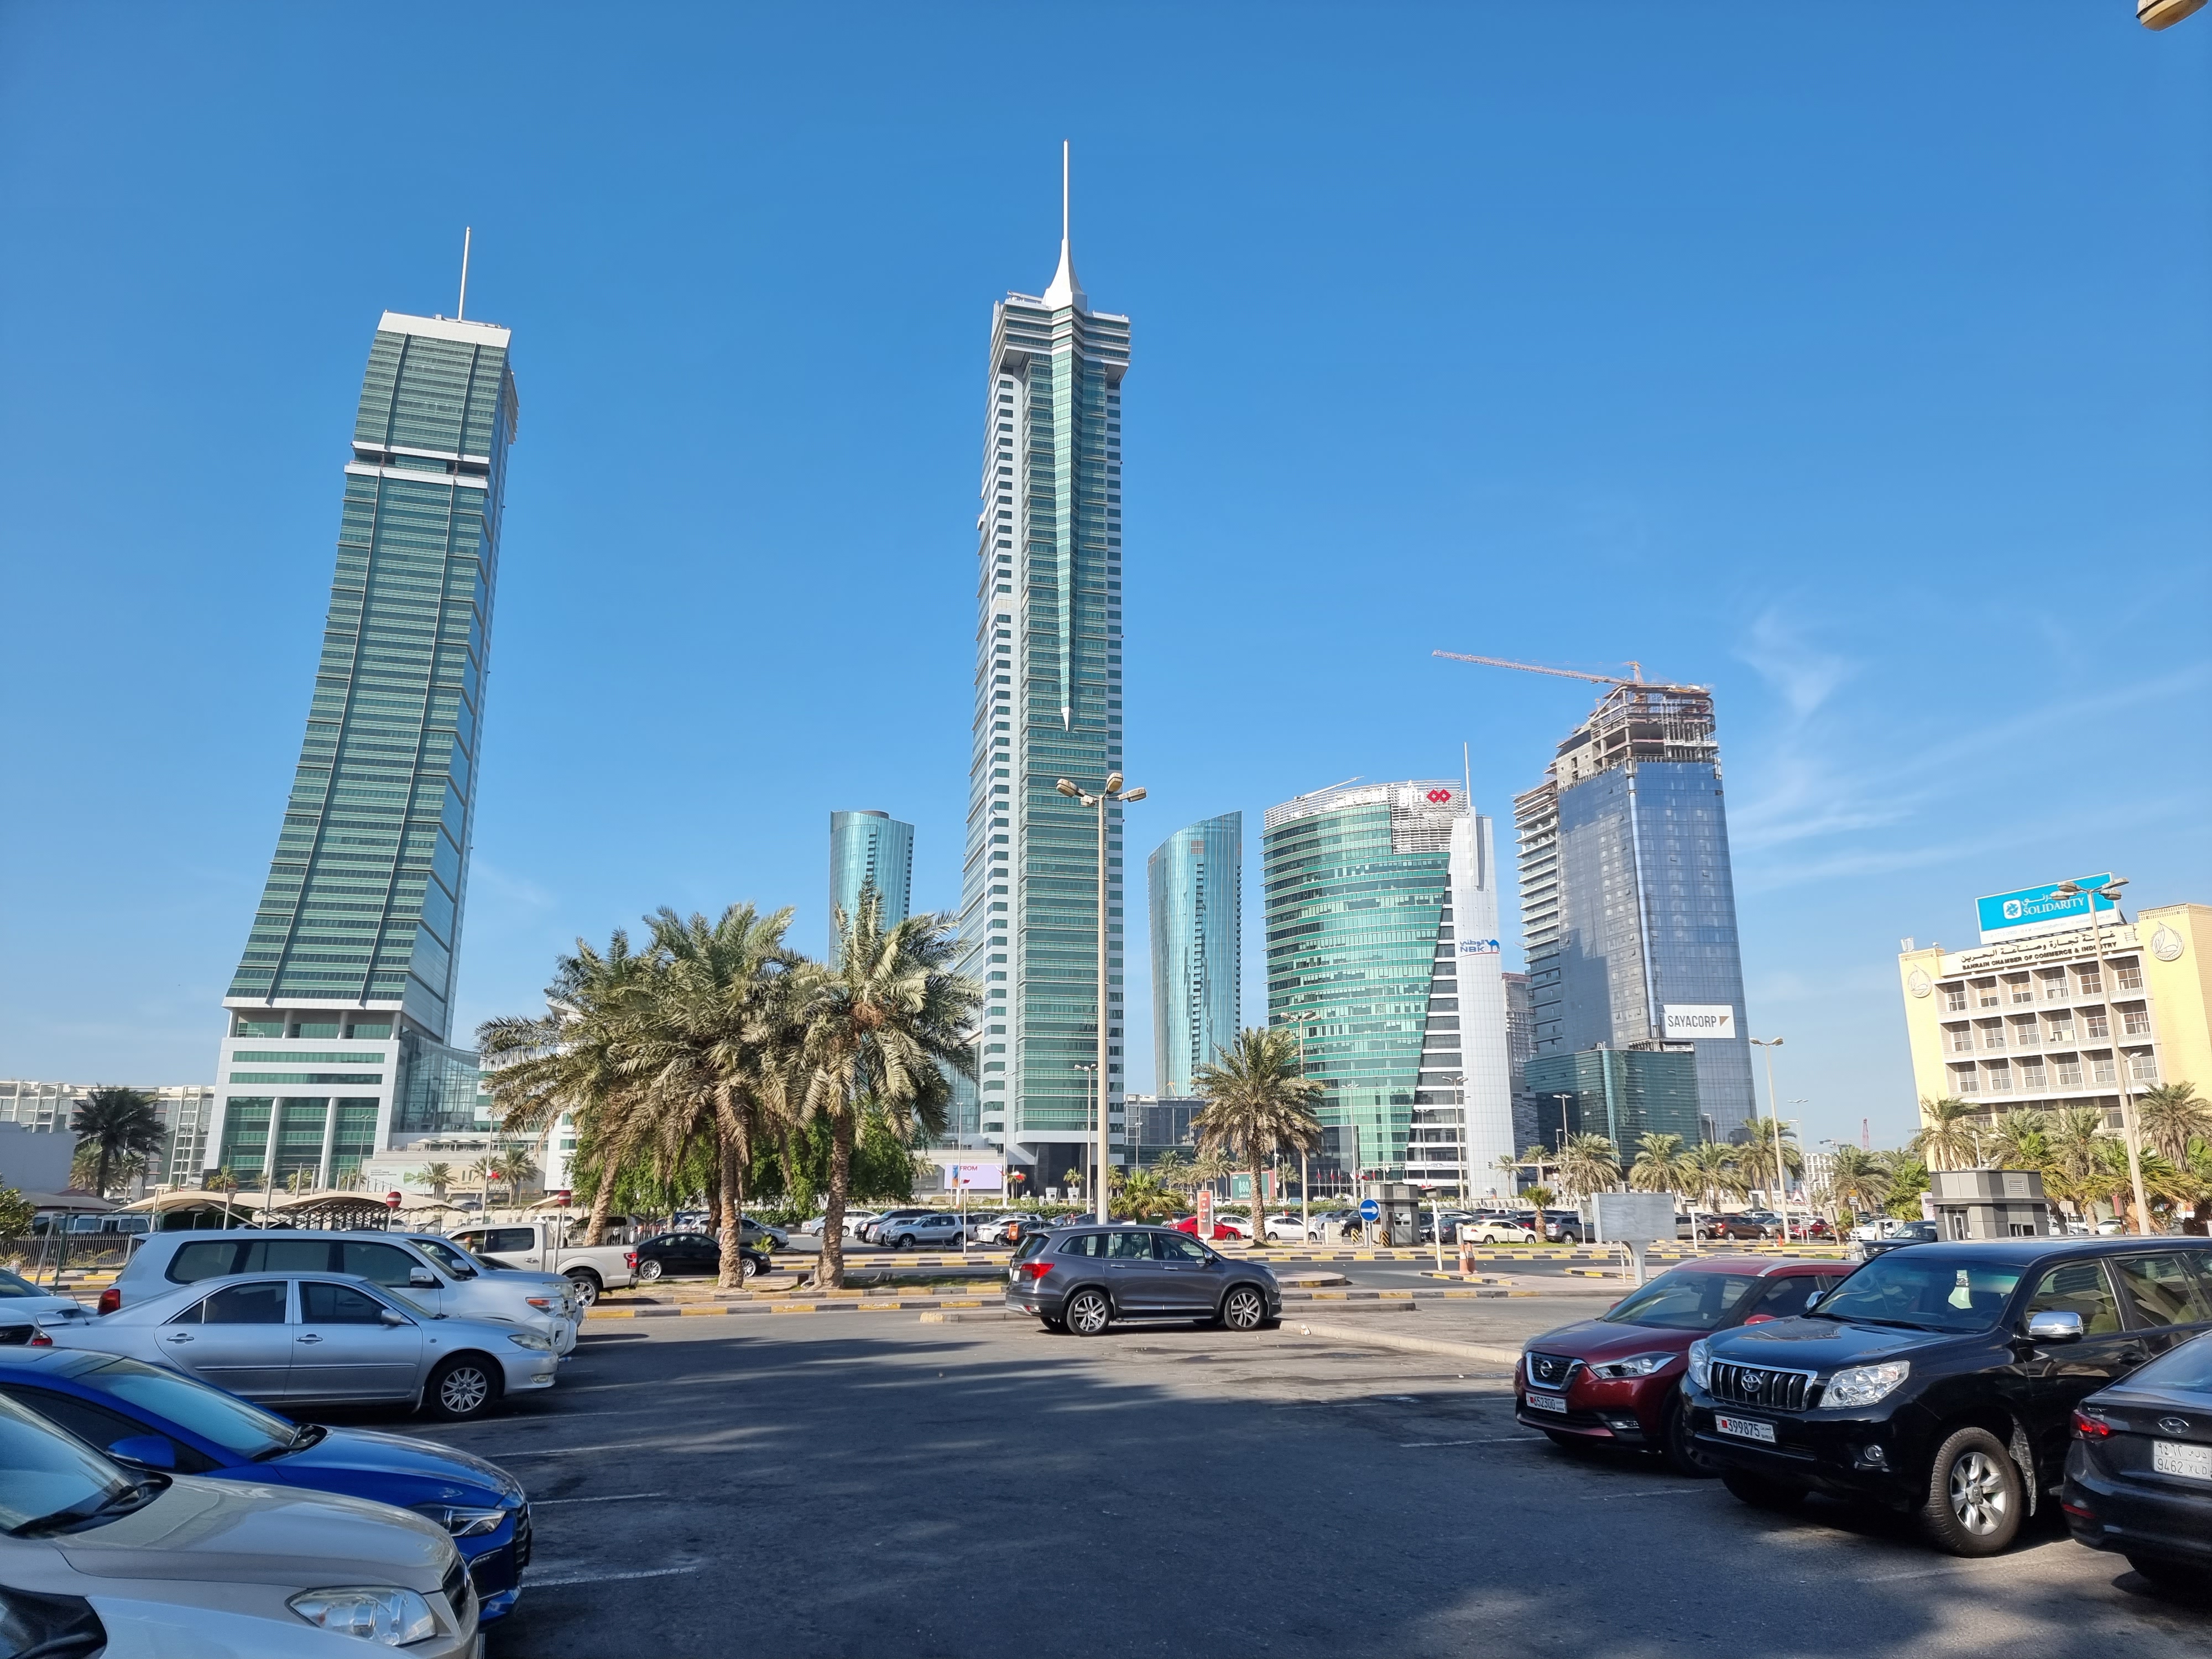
1369	1210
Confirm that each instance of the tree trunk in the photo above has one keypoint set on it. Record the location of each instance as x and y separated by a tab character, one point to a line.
99	1174
602	1198
829	1275
1259	1207
734	1146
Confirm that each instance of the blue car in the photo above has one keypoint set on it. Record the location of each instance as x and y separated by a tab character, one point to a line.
157	1419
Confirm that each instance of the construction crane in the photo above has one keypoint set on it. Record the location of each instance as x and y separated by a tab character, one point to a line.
1538	668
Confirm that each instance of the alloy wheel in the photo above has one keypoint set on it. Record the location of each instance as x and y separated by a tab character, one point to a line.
1244	1309
462	1390
649	1269
1979	1497
1087	1313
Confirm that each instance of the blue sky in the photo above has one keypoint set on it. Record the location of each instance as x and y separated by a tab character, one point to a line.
1853	361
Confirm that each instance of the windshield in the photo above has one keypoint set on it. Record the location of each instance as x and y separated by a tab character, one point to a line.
46	1475
452	1257
11	1285
1922	1292
1684	1301
225	1419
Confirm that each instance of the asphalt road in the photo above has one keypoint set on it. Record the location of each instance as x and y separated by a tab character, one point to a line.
866	1484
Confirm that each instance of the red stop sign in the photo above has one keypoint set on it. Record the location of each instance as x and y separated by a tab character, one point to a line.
391	1201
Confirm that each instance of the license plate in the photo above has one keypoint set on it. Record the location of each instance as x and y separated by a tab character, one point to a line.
1745	1428
1547	1402
2191	1462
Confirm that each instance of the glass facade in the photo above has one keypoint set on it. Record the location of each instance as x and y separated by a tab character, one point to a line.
869	849
1195	880
1623	1094
1048	705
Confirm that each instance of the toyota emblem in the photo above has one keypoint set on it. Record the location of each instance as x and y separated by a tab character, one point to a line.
1439	797
2173	1425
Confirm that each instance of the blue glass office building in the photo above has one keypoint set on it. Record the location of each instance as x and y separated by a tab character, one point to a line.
338	1015
1196	882
869	849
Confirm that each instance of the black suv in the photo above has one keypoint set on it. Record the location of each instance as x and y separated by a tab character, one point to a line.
1941	1379
1083	1278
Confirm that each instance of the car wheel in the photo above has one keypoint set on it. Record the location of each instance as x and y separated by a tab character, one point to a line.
1088	1314
1760	1492
587	1288
465	1387
1675	1441
746	1269
649	1269
1243	1308
1974	1495
903	1242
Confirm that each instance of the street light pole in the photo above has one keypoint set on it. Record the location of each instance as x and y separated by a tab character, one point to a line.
1112	792
1774	1110
1089	1068
2106	890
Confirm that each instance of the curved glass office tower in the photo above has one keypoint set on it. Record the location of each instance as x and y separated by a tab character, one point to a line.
340	1011
869	849
1195	881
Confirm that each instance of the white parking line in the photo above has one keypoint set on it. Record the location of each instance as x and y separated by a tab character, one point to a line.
611	1498
528	1582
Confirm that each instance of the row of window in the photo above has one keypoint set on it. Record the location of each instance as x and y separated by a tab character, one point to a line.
2064	1071
2022	1032
2045	984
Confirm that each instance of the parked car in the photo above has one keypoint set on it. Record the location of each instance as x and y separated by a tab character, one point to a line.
1449	1221
1495	1229
464	1264
1020	1229
1084	1278
1221	1230
1344	1220
542	1247
1742	1223
1940	1379
1905	1232
165	1261
1003	1228
125	1560
2139	1473
872	1232
691	1255
1558	1226
1617	1379
929	1227
286	1338
151	1417
1285	1229
24	1307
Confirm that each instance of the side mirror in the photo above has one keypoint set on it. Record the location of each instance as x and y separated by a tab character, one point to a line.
392	1316
421	1279
1813	1300
2055	1327
146	1451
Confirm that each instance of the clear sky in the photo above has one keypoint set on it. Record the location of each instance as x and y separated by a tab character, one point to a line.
1852	360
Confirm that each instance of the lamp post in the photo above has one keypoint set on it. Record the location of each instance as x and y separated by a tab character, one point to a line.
1305	1182
1112	792
2105	889
1089	1070
1466	1141
1773	1106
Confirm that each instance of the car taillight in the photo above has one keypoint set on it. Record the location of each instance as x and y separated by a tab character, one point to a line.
111	1298
2087	1427
630	1260
41	1340
1036	1269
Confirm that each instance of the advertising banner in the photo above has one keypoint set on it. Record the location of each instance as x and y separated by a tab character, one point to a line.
980	1177
1688	1022
2037	910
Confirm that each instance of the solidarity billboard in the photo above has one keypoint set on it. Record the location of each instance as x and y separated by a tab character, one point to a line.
2037	910
1688	1022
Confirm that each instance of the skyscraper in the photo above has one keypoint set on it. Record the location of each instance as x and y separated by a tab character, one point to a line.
1195	881
339	1016
1383	954
869	849
1048	705
1627	900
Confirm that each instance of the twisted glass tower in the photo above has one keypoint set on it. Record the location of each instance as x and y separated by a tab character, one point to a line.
1195	881
340	1009
867	849
1048	705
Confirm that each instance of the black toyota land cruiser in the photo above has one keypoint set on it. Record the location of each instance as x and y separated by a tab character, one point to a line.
1943	1379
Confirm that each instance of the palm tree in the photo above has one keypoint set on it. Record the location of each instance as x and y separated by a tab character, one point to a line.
1857	1180
1172	1170
1717	1172
1662	1165
1256	1094
1208	1167
1588	1164
1948	1139
436	1176
114	1123
2020	1140
513	1167
2171	1115
1540	1198
883	1031
2074	1137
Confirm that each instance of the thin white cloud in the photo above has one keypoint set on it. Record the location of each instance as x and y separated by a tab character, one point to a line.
1783	653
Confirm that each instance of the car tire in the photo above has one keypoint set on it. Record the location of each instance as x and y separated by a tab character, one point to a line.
746	1269
587	1288
1089	1313
1975	1495
462	1389
1243	1308
1678	1445
903	1242
1761	1493
649	1270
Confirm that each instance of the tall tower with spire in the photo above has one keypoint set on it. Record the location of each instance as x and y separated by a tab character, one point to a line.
1047	705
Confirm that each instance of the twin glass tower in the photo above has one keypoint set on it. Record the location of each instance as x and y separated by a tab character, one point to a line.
1047	705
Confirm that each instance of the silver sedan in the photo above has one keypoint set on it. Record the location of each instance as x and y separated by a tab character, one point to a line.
283	1339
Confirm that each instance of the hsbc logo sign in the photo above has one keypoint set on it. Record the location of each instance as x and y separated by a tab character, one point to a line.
1439	797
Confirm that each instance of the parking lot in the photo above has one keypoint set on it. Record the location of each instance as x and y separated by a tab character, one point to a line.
844	1482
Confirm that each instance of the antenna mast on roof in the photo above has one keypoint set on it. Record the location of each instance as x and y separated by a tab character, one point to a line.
461	311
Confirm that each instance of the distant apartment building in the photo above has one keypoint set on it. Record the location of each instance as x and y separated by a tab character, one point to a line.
868	849
186	1109
1382	956
1195	880
1520	1046
1628	898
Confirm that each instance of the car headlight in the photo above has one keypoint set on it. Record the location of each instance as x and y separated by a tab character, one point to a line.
1701	1362
462	1523
392	1616
1862	1385
548	1304
1642	1364
530	1340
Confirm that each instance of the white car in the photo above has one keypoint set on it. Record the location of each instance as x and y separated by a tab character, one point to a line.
921	1231
1283	1228
1490	1230
1234	1226
283	1339
142	1565
22	1303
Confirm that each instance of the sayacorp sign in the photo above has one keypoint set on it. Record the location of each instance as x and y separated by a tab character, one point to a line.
1693	1022
2039	911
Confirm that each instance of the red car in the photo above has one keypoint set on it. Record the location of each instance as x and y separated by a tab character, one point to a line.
1188	1223
1617	1379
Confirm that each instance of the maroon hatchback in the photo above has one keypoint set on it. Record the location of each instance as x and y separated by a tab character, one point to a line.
1617	1379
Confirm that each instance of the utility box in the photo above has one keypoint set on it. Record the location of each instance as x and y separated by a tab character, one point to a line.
1991	1204
1401	1220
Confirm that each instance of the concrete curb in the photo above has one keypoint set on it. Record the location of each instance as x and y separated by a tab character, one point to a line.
1508	1358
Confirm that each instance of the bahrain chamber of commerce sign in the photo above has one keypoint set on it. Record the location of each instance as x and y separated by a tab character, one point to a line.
1690	1022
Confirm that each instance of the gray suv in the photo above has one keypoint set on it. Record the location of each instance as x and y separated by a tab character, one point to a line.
1084	1278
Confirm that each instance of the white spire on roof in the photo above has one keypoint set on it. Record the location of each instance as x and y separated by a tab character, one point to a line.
1065	290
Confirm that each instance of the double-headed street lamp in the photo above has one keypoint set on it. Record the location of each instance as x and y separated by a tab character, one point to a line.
2107	889
1774	1111
1112	792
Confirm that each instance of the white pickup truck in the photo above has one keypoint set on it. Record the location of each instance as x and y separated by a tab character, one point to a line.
540	1247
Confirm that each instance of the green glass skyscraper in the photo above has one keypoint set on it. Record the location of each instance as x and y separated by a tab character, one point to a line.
867	849
339	1016
1048	705
1196	882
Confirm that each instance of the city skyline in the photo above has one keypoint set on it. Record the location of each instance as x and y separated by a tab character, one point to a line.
1876	393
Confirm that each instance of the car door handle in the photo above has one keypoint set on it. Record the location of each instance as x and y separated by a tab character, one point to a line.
308	1338
179	1336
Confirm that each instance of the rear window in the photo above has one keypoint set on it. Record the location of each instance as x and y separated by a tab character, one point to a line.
388	1264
